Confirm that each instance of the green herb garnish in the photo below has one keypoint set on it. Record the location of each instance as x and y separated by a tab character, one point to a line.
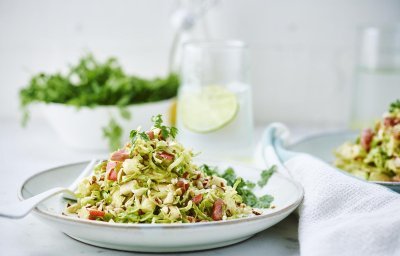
134	135
244	188
113	132
166	131
265	175
394	106
264	201
210	171
91	83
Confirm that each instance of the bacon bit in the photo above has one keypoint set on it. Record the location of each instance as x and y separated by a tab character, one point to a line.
197	199
185	175
366	139
396	178
198	176
391	121
217	210
183	185
256	212
120	155
396	134
205	182
111	166
101	177
150	134
140	212
191	219
112	175
93	214
166	156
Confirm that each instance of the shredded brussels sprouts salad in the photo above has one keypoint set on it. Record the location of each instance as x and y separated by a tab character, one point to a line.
153	179
375	155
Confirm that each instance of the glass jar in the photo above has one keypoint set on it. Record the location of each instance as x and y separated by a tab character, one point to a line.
377	74
215	114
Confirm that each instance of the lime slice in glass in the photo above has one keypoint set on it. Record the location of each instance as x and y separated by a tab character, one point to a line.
208	110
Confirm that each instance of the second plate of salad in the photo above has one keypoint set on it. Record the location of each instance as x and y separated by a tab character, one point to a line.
373	154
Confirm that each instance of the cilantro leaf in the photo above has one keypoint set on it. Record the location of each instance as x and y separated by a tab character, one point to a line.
394	106
135	135
113	133
173	131
165	130
230	176
265	175
243	188
264	201
208	170
125	113
157	120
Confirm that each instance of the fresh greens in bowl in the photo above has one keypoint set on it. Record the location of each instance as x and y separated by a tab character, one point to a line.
91	83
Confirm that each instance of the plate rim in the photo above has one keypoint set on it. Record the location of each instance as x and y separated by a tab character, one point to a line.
75	220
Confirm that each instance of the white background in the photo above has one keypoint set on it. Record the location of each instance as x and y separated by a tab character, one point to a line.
303	56
303	51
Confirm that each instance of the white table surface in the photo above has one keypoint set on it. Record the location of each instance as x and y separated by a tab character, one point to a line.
24	152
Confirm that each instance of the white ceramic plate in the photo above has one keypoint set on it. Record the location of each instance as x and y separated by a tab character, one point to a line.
323	145
160	237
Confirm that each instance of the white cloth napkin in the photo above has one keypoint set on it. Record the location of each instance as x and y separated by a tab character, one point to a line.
341	215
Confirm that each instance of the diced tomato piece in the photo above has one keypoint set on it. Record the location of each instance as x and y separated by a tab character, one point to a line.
93	214
197	199
150	134
112	175
366	139
217	210
166	156
120	155
183	184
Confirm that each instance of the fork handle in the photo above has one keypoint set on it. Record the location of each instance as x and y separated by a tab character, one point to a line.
21	209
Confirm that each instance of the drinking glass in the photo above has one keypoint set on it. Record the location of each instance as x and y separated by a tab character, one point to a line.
215	114
377	73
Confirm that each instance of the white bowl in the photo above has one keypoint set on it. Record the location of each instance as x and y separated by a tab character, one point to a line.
82	128
287	194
